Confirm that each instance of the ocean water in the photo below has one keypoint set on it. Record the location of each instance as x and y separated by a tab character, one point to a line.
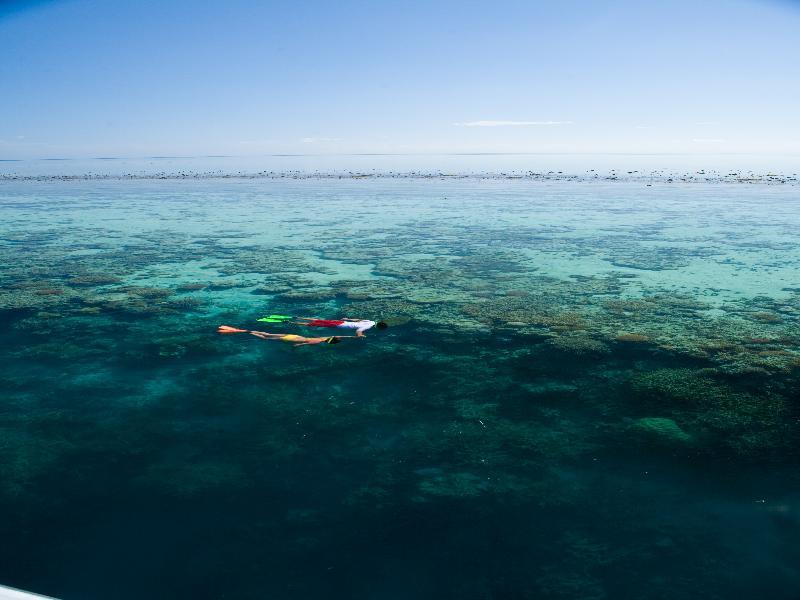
587	390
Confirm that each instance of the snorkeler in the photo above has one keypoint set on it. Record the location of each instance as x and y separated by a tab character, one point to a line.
290	338
360	325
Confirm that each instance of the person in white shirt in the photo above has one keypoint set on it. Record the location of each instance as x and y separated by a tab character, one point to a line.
359	325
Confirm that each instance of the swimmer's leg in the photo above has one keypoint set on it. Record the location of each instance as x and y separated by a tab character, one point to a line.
267	336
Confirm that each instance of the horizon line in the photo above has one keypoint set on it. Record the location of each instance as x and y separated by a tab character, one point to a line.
290	155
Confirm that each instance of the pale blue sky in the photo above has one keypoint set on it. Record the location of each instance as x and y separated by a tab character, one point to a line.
83	78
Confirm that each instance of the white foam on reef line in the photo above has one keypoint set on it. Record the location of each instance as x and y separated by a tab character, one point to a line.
741	168
630	177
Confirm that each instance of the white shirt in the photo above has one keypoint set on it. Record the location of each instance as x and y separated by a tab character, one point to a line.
359	326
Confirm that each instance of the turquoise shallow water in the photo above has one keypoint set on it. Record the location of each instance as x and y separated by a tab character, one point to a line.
587	390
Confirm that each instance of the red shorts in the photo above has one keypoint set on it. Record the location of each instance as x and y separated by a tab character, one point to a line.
324	323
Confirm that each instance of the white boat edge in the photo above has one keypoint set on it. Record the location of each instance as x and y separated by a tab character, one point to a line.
9	593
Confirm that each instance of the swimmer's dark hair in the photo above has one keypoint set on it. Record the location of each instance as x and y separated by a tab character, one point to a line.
334	340
381	325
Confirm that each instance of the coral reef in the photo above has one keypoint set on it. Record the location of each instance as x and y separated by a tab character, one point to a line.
571	392
660	430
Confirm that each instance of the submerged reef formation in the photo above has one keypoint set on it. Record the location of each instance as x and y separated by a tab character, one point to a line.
572	392
661	430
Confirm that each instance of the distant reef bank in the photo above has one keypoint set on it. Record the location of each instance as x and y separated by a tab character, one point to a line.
649	177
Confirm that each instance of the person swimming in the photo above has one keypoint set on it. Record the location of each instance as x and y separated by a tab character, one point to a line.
360	325
289	338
